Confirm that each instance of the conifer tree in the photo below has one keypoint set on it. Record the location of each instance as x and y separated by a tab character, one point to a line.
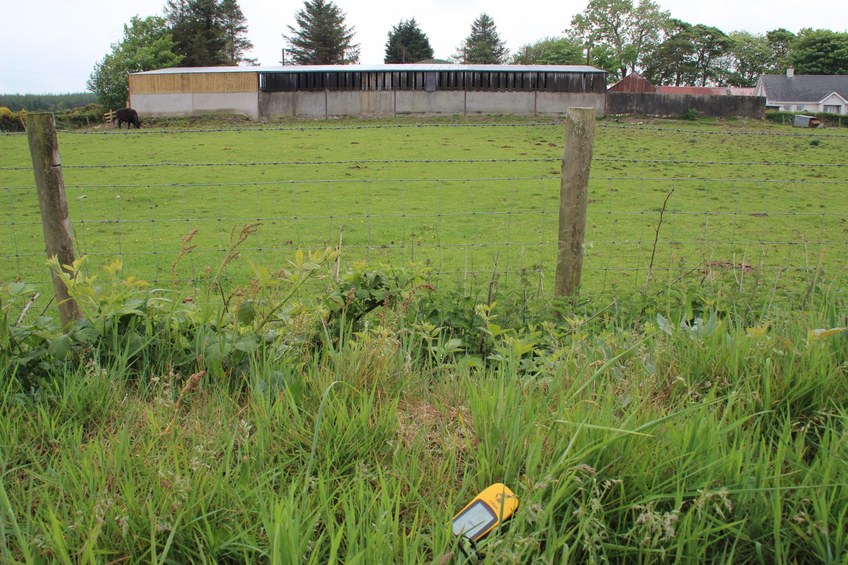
483	45
235	33
321	36
407	44
208	33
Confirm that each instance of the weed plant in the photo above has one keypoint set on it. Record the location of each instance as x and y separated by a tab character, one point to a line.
310	417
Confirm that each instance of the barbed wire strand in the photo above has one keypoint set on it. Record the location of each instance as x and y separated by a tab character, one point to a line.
302	222
436	162
603	123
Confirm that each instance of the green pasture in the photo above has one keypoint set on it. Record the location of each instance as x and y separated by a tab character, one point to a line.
307	417
465	197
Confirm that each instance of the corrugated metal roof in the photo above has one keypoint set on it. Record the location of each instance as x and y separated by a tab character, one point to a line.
635	83
707	90
380	68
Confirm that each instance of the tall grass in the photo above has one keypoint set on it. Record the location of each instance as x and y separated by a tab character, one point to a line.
626	439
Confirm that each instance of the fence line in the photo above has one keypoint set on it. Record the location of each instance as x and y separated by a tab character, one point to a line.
319	127
438	162
621	218
605	125
456	224
396	180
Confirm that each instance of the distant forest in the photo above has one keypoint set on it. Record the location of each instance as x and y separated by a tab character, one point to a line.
47	102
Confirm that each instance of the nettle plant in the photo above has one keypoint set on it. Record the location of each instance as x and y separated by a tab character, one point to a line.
126	323
28	344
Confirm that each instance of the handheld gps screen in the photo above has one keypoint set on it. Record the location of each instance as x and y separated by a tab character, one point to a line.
485	511
477	518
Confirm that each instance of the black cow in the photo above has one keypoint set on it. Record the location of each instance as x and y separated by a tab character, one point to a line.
128	116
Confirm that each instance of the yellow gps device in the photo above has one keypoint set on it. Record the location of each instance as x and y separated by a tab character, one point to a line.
483	514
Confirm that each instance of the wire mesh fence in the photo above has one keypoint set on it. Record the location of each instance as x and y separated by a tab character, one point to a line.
653	214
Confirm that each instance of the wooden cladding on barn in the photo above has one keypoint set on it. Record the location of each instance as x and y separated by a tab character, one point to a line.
179	83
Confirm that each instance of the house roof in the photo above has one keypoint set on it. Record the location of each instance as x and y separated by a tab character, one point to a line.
803	88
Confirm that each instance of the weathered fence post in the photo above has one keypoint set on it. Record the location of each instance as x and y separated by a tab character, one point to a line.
573	198
44	149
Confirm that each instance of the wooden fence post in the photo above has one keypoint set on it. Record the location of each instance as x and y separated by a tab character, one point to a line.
44	149
574	198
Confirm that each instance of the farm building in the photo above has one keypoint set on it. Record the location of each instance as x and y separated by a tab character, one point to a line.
636	95
636	83
357	90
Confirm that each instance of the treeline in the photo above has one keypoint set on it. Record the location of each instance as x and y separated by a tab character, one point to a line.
625	36
191	33
46	102
619	36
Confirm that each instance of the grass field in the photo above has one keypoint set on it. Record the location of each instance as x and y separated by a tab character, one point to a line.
705	443
459	196
308	416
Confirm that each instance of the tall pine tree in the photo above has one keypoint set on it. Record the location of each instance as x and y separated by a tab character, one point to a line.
235	33
407	44
321	36
484	45
208	33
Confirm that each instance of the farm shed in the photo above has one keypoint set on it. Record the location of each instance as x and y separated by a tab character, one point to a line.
357	90
636	95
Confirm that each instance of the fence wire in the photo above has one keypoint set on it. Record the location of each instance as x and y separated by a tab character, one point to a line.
465	226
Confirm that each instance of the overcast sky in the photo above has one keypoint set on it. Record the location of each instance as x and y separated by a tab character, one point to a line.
51	46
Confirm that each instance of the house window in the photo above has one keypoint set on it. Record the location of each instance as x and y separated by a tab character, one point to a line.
832	109
800	108
787	108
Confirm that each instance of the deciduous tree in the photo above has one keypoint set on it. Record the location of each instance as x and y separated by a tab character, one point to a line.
624	33
820	52
671	62
407	44
321	37
483	45
710	44
748	57
780	42
147	44
550	51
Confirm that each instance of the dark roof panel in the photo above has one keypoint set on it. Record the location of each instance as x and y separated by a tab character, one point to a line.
804	88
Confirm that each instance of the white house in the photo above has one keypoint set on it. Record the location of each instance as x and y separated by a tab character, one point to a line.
805	93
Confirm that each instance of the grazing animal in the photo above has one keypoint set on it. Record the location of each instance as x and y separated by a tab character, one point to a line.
128	116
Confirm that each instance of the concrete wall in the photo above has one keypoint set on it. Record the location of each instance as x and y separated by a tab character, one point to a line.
559	102
366	104
393	103
416	102
677	105
292	104
246	103
517	103
269	105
